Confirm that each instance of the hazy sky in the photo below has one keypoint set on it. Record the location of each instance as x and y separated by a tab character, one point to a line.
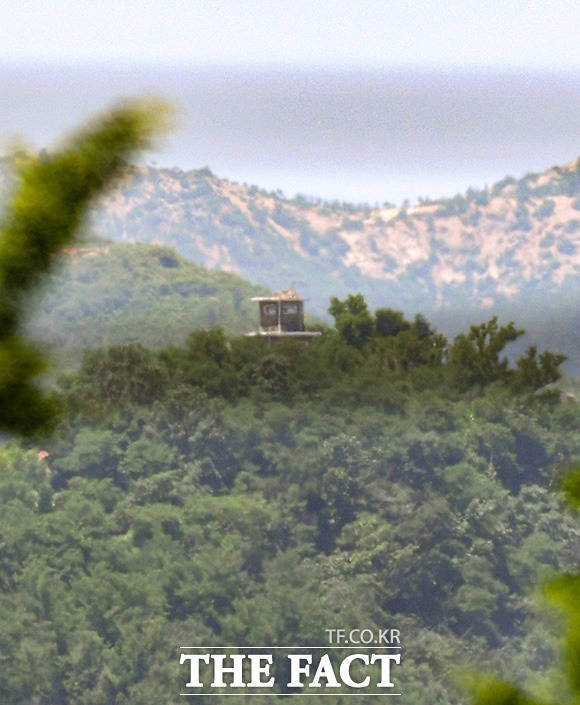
508	33
368	101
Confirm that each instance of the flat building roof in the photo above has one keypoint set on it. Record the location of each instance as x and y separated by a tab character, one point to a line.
288	295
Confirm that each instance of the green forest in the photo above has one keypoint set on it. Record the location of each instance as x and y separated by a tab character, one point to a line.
224	491
228	492
105	294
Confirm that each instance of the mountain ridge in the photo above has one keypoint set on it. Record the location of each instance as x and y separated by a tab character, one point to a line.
486	244
512	249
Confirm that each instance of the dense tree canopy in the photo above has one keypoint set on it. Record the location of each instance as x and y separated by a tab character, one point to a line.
564	592
228	492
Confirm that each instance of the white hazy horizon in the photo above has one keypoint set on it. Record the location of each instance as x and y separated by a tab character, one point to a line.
374	33
356	135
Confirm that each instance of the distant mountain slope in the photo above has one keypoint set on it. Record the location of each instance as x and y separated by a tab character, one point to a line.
511	249
485	246
108	293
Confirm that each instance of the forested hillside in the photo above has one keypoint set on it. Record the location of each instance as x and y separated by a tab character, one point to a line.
106	294
223	492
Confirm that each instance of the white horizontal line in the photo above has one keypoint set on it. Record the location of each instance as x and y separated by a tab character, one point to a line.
291	694
358	646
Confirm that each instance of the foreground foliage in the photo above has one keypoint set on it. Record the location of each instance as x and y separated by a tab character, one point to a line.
44	216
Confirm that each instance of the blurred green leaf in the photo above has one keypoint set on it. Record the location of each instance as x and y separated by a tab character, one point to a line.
42	218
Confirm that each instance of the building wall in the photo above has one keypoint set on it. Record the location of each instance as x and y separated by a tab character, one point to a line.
289	315
292	316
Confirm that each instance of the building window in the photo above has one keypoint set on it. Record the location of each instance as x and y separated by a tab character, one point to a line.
290	309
